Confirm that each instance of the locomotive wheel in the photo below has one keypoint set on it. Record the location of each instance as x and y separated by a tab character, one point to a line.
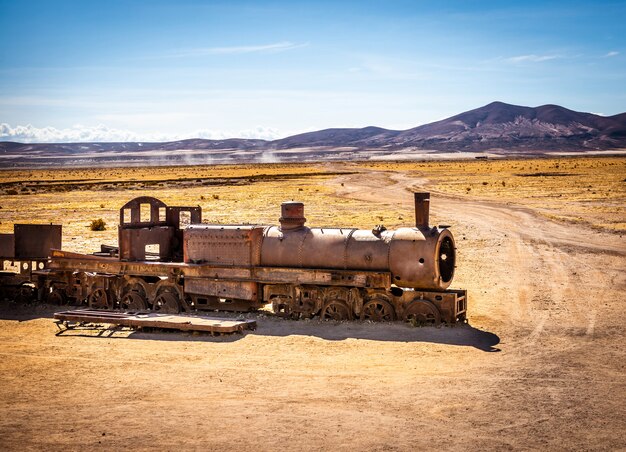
378	310
422	312
166	303
335	310
98	299
56	297
25	294
133	301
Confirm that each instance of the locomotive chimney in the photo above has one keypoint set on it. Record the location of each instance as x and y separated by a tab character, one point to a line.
291	215
422	207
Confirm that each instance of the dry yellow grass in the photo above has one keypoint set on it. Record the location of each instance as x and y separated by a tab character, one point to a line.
151	173
587	190
248	201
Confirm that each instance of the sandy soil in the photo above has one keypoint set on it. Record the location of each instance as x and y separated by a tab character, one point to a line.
541	365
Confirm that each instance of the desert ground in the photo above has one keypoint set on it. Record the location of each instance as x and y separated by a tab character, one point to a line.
540	365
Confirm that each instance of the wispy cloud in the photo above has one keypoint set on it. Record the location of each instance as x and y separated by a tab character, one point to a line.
102	133
276	47
610	54
531	58
384	67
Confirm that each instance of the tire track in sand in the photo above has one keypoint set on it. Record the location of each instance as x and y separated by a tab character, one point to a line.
543	267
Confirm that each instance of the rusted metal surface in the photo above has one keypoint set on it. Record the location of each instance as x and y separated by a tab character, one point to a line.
7	246
64	261
223	245
135	242
411	255
130	213
167	266
325	248
305	301
34	241
160	321
23	255
151	229
450	306
60	254
173	216
419	257
422	209
155	213
291	215
239	290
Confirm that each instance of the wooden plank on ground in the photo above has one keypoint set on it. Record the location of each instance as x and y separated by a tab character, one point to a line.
156	320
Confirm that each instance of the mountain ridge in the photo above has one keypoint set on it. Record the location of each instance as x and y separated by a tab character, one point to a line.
497	126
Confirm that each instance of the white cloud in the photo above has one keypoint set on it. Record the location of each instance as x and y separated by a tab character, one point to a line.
532	58
612	53
257	133
275	47
78	133
102	133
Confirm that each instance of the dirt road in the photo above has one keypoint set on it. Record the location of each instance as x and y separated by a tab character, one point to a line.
541	365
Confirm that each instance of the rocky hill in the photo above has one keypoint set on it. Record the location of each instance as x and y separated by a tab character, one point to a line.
503	126
496	127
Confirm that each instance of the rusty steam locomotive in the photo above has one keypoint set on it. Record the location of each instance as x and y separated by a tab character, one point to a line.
163	265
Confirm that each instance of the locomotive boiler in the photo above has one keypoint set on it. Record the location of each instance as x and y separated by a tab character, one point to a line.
419	257
334	273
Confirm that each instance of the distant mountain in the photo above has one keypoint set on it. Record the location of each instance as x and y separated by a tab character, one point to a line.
78	148
367	136
503	126
496	127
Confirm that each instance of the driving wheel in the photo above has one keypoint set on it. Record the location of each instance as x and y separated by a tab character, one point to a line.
378	310
166	303
98	299
133	301
335	310
422	312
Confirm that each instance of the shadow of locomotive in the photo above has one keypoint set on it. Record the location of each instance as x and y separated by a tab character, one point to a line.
460	335
463	335
22	312
268	325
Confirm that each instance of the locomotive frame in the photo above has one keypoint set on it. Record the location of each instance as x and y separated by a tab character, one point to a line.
165	266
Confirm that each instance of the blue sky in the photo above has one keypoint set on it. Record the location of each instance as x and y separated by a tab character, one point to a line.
155	70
